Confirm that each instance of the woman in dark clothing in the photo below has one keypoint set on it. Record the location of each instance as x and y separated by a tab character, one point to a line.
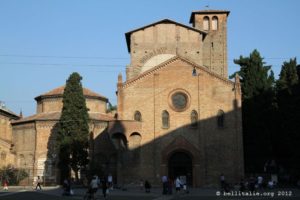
147	186
104	187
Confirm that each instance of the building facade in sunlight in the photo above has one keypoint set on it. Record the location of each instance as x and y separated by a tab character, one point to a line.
178	114
6	144
34	137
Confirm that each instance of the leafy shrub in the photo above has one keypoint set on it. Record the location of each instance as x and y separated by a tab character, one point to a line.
12	175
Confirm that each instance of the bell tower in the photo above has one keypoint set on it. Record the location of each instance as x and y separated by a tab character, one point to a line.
214	22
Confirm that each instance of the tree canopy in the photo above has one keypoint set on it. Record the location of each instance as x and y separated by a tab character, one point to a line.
288	115
271	113
256	77
288	76
257	81
73	131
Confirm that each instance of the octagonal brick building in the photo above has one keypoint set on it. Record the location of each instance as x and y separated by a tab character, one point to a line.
34	136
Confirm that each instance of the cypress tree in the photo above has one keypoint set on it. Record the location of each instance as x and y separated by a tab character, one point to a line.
255	76
288	76
257	82
298	71
72	137
288	101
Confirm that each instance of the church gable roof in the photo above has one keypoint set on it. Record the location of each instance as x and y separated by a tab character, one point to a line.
166	63
58	92
164	21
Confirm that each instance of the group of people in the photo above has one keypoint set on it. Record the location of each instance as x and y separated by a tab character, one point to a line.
105	183
36	184
168	184
252	183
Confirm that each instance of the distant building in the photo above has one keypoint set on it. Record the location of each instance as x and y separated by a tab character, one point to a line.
6	117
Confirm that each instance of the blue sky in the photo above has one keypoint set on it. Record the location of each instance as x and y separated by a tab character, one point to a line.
43	42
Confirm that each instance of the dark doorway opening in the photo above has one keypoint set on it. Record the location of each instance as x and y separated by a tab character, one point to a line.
180	165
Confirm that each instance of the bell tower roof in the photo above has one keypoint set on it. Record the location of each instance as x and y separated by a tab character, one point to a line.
203	12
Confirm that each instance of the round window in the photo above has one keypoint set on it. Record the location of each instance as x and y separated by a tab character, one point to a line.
179	100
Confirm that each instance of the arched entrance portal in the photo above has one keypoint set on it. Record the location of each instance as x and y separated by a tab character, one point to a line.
180	165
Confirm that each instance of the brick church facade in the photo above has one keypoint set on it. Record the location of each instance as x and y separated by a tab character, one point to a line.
177	112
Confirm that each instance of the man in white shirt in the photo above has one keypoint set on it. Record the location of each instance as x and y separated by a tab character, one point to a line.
164	180
94	186
177	184
110	181
259	181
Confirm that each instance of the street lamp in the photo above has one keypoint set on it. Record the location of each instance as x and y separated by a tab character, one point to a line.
194	72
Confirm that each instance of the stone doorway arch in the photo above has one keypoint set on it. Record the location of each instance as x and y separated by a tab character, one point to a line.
180	164
192	154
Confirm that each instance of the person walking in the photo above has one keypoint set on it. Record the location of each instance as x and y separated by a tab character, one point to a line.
164	180
170	186
38	183
252	183
259	181
5	184
66	187
177	184
94	186
147	186
222	182
110	182
104	188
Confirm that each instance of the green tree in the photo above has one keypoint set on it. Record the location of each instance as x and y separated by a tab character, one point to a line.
256	77
288	101
298	71
12	175
73	131
288	76
257	84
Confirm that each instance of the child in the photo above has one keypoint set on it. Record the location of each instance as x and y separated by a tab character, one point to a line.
5	185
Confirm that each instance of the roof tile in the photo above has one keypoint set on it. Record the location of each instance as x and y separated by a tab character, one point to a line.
60	91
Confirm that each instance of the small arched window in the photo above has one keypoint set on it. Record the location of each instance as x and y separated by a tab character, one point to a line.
135	140
215	23
137	116
206	23
194	118
165	119
220	119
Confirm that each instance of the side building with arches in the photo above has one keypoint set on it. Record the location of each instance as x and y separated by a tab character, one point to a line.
34	137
